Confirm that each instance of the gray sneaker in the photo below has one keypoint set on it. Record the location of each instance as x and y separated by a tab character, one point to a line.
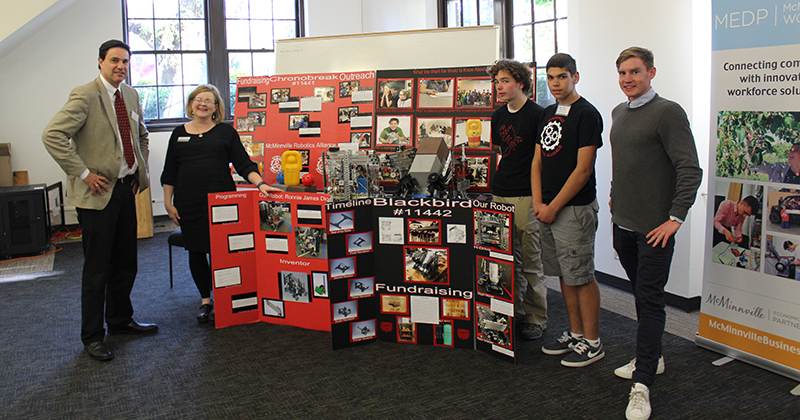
563	345
530	332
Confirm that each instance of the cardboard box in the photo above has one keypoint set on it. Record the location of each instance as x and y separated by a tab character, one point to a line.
6	175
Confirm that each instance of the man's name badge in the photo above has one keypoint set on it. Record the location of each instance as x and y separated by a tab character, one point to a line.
563	110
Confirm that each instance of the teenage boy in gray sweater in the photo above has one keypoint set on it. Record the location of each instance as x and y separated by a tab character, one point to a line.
655	179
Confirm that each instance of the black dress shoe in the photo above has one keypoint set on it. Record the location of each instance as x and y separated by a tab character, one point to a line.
133	327
98	351
205	312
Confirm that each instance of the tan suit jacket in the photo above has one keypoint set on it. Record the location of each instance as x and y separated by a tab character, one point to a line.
84	134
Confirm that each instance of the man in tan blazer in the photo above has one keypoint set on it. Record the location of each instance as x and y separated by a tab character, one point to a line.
100	141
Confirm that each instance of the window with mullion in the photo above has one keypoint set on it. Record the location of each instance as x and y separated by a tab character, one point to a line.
179	44
539	31
169	53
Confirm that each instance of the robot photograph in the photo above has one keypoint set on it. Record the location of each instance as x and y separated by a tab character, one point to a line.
427	265
493	327
275	216
491	229
310	242
495	278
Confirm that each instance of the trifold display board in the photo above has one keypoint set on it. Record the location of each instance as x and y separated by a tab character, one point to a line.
415	271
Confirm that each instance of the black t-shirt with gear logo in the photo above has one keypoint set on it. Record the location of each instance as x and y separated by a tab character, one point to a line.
561	137
516	134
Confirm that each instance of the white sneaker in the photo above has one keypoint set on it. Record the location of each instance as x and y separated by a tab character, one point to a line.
626	372
638	403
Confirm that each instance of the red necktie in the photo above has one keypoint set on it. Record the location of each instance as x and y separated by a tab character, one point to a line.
124	128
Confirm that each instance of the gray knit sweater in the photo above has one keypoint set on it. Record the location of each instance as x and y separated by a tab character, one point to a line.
655	169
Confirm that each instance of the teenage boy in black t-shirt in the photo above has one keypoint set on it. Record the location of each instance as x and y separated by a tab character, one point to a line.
514	131
564	201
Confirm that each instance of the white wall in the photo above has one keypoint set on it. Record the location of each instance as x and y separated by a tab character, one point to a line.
598	32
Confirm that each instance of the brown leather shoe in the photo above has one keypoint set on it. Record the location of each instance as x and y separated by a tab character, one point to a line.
98	351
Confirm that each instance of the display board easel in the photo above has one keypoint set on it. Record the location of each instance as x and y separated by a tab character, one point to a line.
446	47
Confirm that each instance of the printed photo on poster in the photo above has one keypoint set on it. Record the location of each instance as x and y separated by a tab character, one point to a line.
426	265
406	330
435	93
273	308
310	242
294	286
275	216
279	95
492	230
258	100
340	222
361	288
359	243
495	278
363	139
245	124
737	225
443	334
259	118
455	308
342	268
394	304
362	330
424	231
435	127
395	93
325	92
479	170
394	130
346	113
298	121
492	327
474	93
346	89
319	281
758	145
783	211
252	149
345	311
245	92
474	133
782	257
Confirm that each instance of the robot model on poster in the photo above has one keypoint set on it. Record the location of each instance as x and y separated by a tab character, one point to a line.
294	286
342	267
491	230
344	311
361	286
272	214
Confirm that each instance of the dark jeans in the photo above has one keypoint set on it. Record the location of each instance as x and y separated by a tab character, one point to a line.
110	262
648	270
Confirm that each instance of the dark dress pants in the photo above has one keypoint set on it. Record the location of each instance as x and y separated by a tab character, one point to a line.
648	271
110	262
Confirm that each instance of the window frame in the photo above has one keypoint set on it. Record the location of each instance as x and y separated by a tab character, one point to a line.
216	52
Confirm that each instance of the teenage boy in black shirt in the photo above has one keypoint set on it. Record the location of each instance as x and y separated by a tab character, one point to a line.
514	131
564	201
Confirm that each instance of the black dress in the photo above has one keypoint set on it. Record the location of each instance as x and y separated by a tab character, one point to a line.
196	165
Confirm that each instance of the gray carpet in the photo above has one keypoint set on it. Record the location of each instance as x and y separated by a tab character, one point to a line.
267	371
